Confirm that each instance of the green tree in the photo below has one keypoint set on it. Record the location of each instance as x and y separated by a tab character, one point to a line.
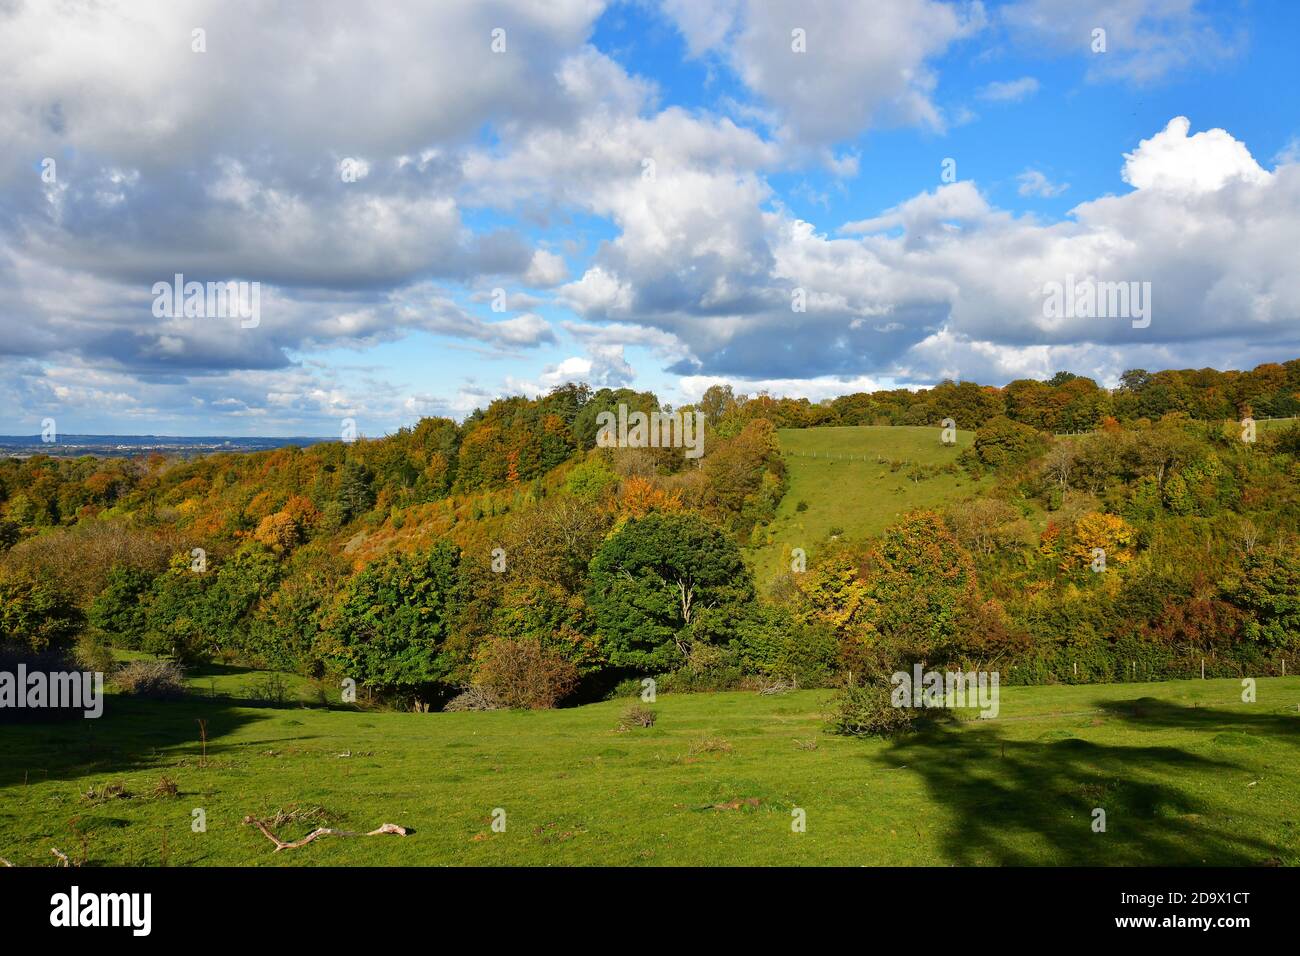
354	496
118	610
663	581
1269	588
590	480
392	626
35	616
175	613
240	584
1002	443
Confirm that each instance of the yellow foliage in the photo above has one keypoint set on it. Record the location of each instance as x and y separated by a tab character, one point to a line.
1115	536
836	595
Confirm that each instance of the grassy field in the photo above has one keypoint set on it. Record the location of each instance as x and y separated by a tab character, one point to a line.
1187	774
854	480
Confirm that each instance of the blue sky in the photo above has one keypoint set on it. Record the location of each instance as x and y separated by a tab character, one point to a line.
520	173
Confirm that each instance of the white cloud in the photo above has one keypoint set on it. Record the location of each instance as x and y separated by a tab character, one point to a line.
871	60
919	215
1145	39
604	367
1009	91
119	77
945	278
1034	183
546	269
1172	160
1288	154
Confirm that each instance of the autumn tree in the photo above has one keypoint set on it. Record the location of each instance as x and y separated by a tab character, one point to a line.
918	574
1110	534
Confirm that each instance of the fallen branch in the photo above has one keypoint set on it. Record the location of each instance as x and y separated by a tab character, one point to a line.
319	832
6	862
62	856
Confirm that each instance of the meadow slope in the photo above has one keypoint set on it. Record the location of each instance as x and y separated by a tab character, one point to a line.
854	482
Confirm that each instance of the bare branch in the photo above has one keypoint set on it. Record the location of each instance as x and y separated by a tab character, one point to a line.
320	832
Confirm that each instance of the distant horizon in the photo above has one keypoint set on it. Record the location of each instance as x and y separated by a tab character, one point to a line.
739	388
68	435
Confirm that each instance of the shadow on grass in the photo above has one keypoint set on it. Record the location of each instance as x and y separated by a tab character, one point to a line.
1018	802
131	734
1150	712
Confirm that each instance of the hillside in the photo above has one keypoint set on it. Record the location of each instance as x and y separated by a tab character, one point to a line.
856	481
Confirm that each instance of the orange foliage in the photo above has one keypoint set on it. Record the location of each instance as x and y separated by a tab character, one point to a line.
303	512
278	531
640	496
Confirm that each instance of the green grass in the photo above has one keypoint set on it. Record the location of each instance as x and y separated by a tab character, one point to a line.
1186	773
848	488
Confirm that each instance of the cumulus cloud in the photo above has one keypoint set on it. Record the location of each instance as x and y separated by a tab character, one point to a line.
546	269
121	78
604	366
1171	160
944	282
871	61
319	156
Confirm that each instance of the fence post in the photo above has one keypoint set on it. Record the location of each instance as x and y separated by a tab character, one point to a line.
1202	668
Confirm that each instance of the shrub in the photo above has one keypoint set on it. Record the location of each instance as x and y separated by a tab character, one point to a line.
774	647
157	680
710	745
520	672
473	698
271	688
866	711
637	716
92	654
